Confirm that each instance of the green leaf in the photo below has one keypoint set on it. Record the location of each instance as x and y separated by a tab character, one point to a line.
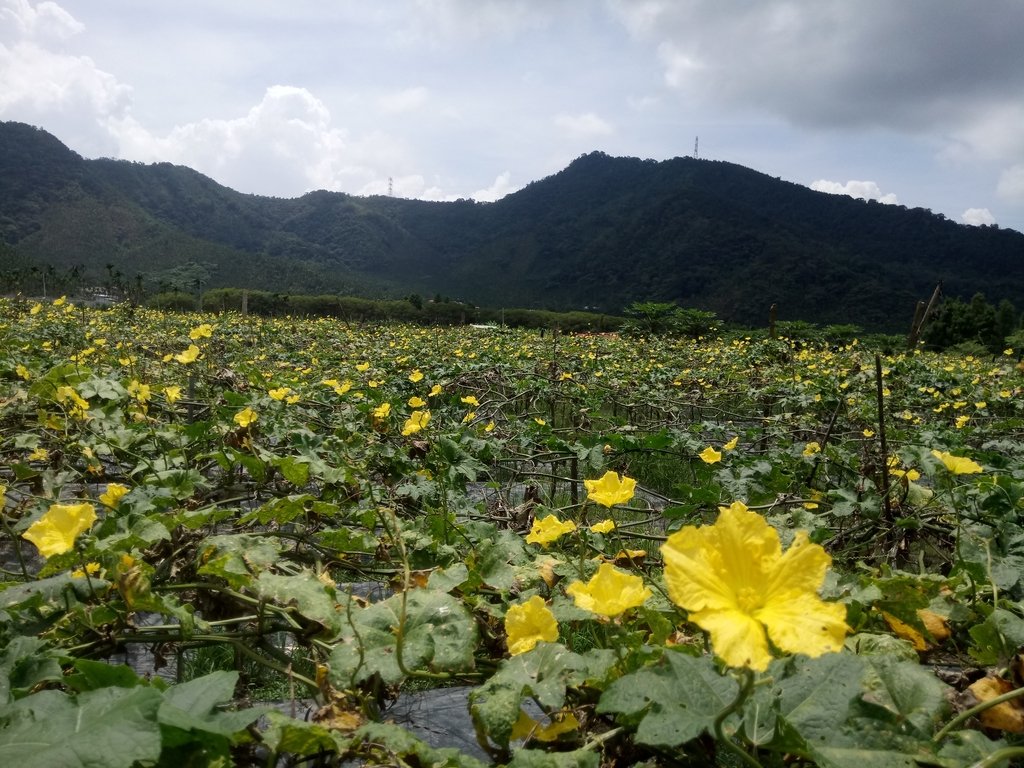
908	690
676	701
107	728
25	662
413	751
237	558
537	758
296	737
295	471
91	675
543	673
193	706
439	635
310	597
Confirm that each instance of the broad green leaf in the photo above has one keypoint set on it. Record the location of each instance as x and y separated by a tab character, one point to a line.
439	635
107	728
908	690
310	597
25	662
287	735
91	675
412	751
193	706
295	471
674	702
543	674
237	558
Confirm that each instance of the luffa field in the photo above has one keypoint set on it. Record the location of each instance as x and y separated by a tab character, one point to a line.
735	551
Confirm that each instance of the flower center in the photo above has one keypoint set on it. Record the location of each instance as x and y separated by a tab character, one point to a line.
749	600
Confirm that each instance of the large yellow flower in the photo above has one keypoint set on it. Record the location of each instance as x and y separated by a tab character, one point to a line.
710	456
417	420
113	495
958	465
528	623
609	592
610	489
547	529
55	532
739	586
245	417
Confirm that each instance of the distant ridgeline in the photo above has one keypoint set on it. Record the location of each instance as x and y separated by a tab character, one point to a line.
598	236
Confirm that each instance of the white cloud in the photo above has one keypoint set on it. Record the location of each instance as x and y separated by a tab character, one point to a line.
22	20
978	217
1011	184
863	190
502	186
583	125
285	145
40	83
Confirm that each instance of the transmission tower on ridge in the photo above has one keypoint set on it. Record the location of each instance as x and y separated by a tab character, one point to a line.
391	187
695	140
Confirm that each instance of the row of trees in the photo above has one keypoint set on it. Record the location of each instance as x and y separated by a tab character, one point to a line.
976	325
412	309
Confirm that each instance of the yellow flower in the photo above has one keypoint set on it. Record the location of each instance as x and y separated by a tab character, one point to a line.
140	392
435	390
382	411
246	417
470	400
39	454
539	420
417	420
416	402
280	393
55	532
528	623
114	493
203	331
60	302
25	374
416	375
710	456
91	568
469	417
958	465
604	526
173	394
528	728
36	308
737	584
547	529
868	433
812	448
489	427
610	489
609	592
962	421
188	356
362	367
731	444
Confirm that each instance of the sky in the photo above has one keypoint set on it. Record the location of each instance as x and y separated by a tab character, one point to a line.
913	102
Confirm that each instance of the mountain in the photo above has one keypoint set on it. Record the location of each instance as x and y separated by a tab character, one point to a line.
602	233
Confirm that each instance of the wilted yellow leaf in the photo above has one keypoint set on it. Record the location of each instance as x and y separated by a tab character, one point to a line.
1008	716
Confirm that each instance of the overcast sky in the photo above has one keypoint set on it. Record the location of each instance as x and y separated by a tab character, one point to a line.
919	102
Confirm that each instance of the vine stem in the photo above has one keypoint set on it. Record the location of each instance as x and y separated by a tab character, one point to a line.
746	686
967	714
1006	753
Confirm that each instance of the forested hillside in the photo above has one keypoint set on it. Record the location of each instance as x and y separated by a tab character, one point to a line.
600	234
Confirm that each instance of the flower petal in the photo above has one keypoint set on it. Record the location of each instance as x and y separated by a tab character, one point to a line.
738	639
804	623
